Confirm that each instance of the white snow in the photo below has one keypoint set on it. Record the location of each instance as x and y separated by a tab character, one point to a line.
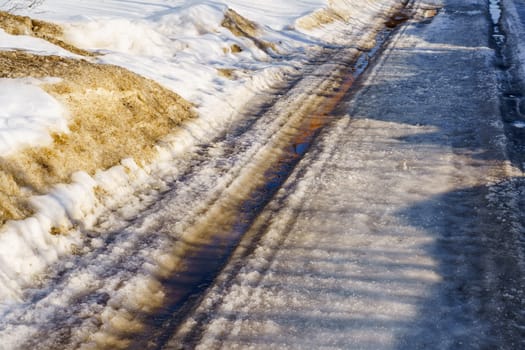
520	124
27	115
273	13
180	47
180	44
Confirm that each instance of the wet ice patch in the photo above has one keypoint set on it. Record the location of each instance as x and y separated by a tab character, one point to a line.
28	115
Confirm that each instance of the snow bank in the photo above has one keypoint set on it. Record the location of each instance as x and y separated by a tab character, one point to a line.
275	14
181	48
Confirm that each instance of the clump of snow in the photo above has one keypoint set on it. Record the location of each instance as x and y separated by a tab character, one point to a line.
27	115
519	124
28	247
495	11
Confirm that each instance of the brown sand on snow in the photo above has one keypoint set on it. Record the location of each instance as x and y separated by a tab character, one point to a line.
243	27
318	19
114	113
22	25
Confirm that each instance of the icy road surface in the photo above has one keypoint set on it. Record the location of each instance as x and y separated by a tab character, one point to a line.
402	228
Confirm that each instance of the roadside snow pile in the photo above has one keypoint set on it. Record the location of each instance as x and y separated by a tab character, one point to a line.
184	48
187	45
65	118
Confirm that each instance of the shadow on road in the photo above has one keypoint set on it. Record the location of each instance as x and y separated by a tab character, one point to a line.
479	250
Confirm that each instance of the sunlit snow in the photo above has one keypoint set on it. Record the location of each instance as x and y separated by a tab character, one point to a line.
27	115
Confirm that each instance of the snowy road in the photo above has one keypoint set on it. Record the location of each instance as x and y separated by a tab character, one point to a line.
402	228
385	212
